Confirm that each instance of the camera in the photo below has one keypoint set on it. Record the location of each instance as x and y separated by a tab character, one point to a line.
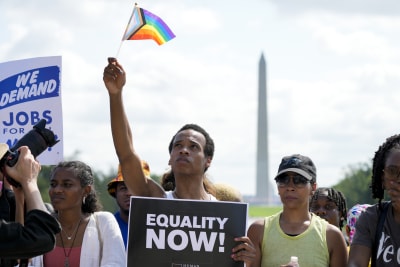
38	140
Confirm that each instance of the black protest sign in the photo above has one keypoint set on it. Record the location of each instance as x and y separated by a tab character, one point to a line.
184	233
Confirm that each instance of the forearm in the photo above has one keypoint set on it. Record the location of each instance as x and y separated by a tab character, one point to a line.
359	256
121	132
353	264
19	211
35	238
33	197
26	171
122	137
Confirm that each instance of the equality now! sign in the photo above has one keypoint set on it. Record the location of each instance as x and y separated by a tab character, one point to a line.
183	233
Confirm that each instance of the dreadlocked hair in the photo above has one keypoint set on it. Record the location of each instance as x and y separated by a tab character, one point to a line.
168	183
337	197
378	164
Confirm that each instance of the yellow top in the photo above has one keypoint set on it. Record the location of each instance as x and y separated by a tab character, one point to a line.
310	246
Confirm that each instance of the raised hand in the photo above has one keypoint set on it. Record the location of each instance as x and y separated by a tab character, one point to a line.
114	76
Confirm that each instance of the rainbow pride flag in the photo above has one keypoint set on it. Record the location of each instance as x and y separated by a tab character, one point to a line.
145	25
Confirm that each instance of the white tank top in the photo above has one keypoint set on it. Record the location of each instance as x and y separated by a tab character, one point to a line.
170	195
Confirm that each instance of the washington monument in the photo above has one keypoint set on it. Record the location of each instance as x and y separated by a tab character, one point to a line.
263	190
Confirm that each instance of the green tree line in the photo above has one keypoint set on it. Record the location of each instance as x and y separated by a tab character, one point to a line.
355	185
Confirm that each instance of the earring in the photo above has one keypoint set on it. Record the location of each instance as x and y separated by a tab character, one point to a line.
84	200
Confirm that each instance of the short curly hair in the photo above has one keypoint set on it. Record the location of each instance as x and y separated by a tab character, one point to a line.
208	148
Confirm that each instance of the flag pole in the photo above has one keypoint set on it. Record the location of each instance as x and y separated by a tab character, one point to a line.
119	48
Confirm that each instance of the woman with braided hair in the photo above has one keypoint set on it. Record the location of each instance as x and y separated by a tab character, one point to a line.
377	235
329	204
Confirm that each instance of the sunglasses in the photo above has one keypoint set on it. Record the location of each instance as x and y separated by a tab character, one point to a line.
298	180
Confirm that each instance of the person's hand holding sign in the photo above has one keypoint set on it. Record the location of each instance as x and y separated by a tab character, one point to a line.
245	251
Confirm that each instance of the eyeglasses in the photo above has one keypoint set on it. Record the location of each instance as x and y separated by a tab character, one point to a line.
298	180
392	172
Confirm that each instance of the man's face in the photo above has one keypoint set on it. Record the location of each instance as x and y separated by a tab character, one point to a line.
187	155
122	195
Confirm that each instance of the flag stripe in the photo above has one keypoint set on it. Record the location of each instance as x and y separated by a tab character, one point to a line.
136	21
158	24
148	33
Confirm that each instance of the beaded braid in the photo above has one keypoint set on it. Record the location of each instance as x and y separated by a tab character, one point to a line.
378	163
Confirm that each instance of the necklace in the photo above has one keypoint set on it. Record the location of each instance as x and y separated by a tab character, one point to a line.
69	237
66	261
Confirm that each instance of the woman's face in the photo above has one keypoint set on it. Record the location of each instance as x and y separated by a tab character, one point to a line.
391	177
294	193
65	190
326	208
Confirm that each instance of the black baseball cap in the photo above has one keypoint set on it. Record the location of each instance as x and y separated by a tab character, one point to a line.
300	164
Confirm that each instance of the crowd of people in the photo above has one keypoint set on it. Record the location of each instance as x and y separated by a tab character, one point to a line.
314	224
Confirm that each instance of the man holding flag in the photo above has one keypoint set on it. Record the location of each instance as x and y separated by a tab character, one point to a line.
191	152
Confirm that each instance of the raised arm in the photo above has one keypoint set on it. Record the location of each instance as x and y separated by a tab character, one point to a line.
114	78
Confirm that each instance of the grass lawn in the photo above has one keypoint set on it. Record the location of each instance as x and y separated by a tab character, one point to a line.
262	211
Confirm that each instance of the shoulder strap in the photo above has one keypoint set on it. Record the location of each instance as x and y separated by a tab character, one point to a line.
378	232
